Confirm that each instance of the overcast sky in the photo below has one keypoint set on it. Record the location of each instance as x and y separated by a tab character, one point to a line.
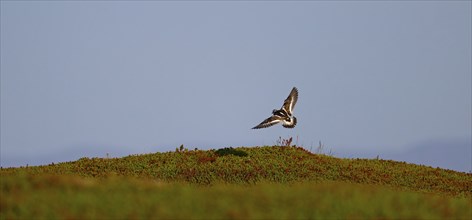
87	79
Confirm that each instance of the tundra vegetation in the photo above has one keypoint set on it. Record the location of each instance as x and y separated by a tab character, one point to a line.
267	182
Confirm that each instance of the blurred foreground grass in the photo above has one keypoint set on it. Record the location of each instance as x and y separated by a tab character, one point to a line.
70	197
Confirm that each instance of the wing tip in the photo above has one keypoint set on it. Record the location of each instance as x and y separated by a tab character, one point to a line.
261	126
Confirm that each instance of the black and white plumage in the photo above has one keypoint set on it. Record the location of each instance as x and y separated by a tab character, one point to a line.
284	114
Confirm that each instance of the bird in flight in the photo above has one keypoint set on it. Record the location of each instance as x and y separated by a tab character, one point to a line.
283	114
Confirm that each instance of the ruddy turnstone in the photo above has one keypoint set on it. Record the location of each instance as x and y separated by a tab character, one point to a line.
283	114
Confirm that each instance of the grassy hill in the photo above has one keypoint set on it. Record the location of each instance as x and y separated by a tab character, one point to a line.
256	182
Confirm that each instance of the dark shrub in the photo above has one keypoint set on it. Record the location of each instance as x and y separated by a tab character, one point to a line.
229	150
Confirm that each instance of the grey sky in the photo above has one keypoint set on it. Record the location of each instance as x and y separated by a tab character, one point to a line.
83	79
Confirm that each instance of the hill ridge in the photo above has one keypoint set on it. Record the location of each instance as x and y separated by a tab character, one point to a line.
288	164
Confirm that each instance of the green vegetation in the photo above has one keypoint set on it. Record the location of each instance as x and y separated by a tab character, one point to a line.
234	183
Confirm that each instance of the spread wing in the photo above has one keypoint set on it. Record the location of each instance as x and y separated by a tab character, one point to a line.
274	119
291	100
